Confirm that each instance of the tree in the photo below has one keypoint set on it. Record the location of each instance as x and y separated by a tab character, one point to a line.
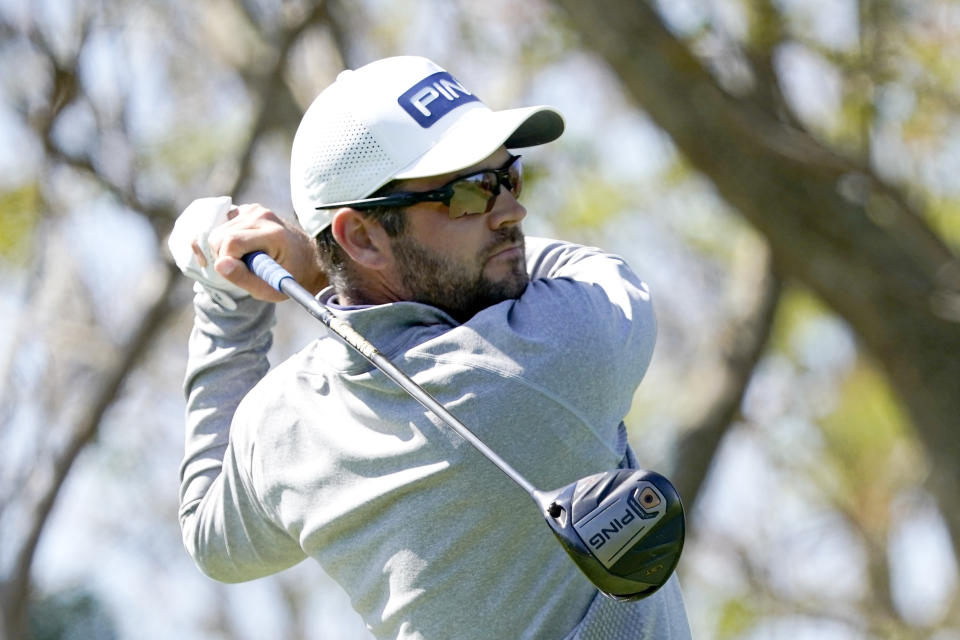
863	243
67	96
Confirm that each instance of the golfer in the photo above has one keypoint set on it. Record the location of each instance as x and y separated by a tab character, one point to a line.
408	225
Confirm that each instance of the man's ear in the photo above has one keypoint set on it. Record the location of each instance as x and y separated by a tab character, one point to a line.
362	238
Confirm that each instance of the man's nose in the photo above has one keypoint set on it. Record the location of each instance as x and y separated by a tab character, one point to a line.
506	210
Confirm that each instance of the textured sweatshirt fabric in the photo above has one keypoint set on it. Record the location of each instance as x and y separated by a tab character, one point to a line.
323	456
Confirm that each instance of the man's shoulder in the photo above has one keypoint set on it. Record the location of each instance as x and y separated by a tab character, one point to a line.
274	390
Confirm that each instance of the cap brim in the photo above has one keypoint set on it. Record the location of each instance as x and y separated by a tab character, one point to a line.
479	133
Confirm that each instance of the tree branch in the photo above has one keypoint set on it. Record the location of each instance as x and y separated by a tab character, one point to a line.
84	424
743	343
831	223
86	418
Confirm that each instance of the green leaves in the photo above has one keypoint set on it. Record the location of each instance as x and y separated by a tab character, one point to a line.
737	617
19	214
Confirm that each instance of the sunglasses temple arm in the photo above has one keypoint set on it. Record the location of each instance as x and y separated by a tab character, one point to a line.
392	200
380	201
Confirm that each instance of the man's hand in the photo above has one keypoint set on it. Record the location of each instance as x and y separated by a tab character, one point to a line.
253	227
212	235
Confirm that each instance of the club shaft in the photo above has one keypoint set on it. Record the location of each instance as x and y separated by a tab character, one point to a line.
280	279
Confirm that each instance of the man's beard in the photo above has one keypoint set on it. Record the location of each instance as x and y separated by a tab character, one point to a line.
459	288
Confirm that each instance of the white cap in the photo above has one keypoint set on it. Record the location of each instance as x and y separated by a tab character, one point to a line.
398	118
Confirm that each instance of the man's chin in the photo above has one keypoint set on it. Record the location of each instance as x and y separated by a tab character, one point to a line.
511	287
508	274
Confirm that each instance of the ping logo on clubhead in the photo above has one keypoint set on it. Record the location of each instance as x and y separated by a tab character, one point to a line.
612	530
434	97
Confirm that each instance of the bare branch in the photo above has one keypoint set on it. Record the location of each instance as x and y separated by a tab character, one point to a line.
272	92
84	425
84	421
864	251
743	343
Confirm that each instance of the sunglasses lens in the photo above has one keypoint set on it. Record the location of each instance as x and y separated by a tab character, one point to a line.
515	175
472	195
477	193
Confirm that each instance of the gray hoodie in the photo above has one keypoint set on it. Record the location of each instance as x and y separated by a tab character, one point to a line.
324	456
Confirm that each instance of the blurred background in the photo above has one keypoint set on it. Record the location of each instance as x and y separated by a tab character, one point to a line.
783	173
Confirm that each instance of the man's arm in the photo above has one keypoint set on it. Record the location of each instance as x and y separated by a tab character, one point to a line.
224	527
595	306
585	332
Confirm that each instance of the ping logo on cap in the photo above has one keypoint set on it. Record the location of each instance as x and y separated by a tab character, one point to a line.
434	97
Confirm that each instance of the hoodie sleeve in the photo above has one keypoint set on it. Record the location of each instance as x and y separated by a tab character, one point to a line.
586	330
224	528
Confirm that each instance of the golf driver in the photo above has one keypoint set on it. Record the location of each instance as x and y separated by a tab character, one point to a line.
624	529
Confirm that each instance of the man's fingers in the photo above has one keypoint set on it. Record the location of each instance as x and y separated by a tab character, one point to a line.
198	253
236	272
251	228
239	242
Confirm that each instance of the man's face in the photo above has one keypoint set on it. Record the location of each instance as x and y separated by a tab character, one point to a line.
465	264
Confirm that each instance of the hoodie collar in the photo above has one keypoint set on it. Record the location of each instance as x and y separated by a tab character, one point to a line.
391	328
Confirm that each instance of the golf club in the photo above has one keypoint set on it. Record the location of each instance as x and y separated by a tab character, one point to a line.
624	529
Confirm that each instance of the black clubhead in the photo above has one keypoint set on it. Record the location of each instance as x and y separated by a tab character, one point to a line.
623	528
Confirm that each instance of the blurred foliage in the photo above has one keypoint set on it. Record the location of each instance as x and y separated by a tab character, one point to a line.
737	617
75	614
593	204
798	308
19	215
944	215
868	437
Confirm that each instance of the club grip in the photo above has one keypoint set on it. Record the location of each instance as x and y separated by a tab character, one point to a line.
266	268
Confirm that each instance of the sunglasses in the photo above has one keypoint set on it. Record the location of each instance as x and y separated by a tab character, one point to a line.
467	195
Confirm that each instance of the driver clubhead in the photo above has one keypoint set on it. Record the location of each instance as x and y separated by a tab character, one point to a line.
623	528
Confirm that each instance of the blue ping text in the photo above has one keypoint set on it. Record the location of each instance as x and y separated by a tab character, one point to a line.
434	97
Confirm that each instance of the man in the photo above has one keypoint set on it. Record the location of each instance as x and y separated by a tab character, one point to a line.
405	180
